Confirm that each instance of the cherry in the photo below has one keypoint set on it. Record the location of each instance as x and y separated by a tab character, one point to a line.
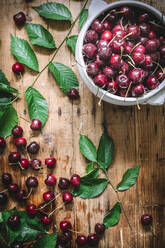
81	240
99	62
112	87
18	68
50	162
48	196
100	80
36	164
64	183
36	125
123	81
17	244
92	69
46	220
104	53
31	210
126	11
143	40
13	188
99	228
136	75
17	131
152	82
24	163
127	49
65	225
117	27
140	49
42	208
75	180
40	235
90	50
14	157
91	36
152	35
2	144
148	61
67	197
6	178
65	238
73	94
20	142
31	182
93	239
134	32
106	25
119	33
106	35
21	195
98	26
151	45
155	56
137	90
160	75
146	219
3	199
125	67
19	18
13	221
102	43
50	180
115	61
118	44
108	72
144	28
138	58
143	17
33	147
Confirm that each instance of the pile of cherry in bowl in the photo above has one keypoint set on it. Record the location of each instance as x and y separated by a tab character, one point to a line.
124	51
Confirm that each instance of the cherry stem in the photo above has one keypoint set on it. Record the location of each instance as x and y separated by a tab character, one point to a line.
156	24
51	213
20	166
135	46
112	40
99	103
131	64
73	231
25	119
126	36
159	66
127	90
137	103
26	197
130	58
3	191
118	197
105	18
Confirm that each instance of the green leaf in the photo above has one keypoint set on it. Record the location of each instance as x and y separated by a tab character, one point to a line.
5	97
21	49
89	167
47	241
71	42
64	76
37	105
105	151
113	216
40	36
54	11
90	187
92	174
28	229
6	88
83	17
3	79
8	119
129	178
1	217
87	148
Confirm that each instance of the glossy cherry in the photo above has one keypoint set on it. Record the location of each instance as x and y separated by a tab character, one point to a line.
138	58
21	195
64	183
126	11
92	69
102	43
17	131
33	147
13	188
20	142
104	53
92	239
152	82
14	157
91	36
36	125
24	163
48	196
151	45
50	180
67	197
108	72
134	31
65	225
19	18
146	219
90	50
98	26
6	178
13	221
36	164
123	81
106	25
106	35
100	80
112	87
136	75
18	68
73	94
31	210
50	162
100	228
75	180
137	90
31	182
143	17
115	61
81	240
46	220
144	28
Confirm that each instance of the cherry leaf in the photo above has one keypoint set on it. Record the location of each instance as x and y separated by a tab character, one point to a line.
64	76
83	17
71	42
89	167
40	36
21	49
6	88
37	105
113	216
87	148
54	11
3	79
47	241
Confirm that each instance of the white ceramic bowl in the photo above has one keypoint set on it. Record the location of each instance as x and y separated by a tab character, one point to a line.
114	99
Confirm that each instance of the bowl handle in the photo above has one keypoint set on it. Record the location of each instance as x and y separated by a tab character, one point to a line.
96	6
158	99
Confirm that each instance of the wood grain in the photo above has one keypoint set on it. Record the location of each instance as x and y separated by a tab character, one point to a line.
139	138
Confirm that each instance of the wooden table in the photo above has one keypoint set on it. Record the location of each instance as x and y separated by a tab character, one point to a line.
139	138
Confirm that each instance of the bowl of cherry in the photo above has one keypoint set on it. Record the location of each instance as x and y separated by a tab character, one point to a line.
120	52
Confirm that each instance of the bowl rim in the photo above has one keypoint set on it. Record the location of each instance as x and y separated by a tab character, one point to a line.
104	95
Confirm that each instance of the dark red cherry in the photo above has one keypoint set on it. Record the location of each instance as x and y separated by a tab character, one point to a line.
33	147
91	36
119	33
108	72
20	142
136	75
42	208
6	178
117	45
13	188
100	80
102	43
140	49
31	210
19	18
152	82
151	45
126	11
3	199
98	26
67	197
13	221
65	238
25	163
125	67
75	180
99	228
123	81
81	240
138	58
14	157
127	49
2	144
21	195
65	225
137	90
48	196
90	50
152	35
146	219
106	25
160	75
134	32
148	62
115	61
143	17
18	68
46	220
106	35
118	27
112	15
112	87
50	180
17	131
31	182
99	62
144	28
73	94
92	69
64	183
36	124
104	53
36	164
50	162
143	40
93	239
17	244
